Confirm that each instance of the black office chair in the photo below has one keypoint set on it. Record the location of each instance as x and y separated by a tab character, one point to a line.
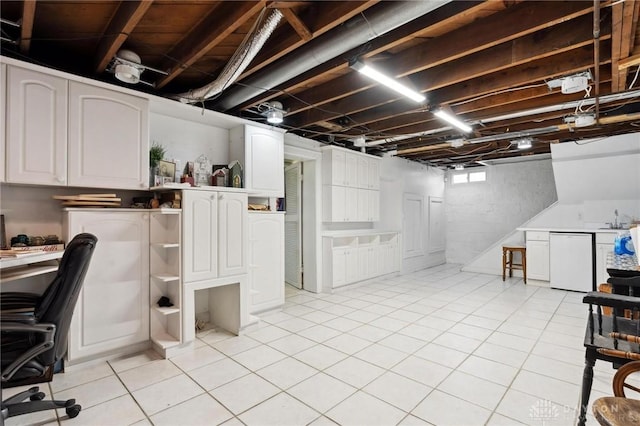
34	332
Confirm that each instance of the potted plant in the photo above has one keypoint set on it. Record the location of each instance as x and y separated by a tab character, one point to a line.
156	153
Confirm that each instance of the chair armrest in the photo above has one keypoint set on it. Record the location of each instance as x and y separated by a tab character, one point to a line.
48	330
612	300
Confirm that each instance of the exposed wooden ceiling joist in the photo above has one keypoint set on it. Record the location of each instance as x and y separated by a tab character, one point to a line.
123	22
209	33
26	25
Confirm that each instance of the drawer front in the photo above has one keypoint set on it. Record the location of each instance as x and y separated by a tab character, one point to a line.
605	237
537	236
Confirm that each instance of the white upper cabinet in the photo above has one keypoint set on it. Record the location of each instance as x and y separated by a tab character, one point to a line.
36	132
261	153
108	138
374	173
61	132
351	183
215	233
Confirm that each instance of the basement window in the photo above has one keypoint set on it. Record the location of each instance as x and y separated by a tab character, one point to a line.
467	177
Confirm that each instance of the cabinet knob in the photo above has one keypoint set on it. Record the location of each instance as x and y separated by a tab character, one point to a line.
212	197
221	196
145	216
60	179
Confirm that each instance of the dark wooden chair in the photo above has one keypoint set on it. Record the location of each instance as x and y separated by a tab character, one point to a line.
621	409
612	337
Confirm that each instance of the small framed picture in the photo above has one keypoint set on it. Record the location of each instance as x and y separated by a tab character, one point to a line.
167	169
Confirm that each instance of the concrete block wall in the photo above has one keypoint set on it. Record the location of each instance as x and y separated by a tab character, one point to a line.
481	214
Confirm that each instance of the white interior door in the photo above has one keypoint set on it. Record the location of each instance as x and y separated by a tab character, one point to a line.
293	225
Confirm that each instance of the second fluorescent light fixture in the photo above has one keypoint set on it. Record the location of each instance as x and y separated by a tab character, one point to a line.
452	119
387	81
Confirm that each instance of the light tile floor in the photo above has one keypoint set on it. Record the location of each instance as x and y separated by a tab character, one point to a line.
438	346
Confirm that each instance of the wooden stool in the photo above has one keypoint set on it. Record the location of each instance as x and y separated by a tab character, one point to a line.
507	260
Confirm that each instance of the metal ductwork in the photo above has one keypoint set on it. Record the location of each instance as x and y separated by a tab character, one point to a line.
353	33
249	48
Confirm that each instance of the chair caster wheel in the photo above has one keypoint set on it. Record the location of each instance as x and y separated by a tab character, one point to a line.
39	396
73	411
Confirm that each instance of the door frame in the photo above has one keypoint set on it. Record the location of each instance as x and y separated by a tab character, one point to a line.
311	213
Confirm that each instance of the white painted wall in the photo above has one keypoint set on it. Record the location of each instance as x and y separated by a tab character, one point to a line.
185	140
593	178
400	177
479	214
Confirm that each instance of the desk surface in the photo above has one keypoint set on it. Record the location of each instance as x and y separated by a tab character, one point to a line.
29	265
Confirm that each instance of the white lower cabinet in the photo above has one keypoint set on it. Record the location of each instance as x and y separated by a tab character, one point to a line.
112	312
537	255
353	258
266	261
604	246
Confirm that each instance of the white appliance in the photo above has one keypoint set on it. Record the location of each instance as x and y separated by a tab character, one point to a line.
571	261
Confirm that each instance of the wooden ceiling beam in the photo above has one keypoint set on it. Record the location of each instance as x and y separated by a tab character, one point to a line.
296	23
26	25
524	73
441	17
212	31
328	16
125	19
622	17
492	55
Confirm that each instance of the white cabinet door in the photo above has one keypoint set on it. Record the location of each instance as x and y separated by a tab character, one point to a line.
351	268
200	236
113	306
351	169
374	256
351	202
374	205
339	266
363	172
538	260
232	231
266	261
363	205
108	138
264	167
602	250
338	167
334	207
374	173
363	263
36	129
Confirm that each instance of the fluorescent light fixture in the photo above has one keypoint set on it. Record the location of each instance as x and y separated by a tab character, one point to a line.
459	167
524	143
451	119
387	81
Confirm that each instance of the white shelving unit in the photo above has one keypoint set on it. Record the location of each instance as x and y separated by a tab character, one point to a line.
165	278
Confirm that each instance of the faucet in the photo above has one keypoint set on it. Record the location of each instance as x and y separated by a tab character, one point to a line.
615	223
